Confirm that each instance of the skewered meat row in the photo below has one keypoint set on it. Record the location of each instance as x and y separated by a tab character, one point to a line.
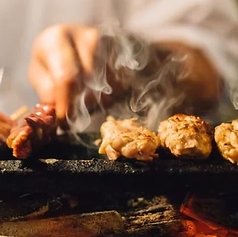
183	135
129	139
33	132
226	137
186	136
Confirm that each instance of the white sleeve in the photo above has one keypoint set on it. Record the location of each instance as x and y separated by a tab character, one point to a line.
211	25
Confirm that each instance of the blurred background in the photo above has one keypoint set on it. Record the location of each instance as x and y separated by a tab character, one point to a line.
21	21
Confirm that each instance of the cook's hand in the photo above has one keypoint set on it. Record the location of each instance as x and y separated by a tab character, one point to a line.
61	56
197	78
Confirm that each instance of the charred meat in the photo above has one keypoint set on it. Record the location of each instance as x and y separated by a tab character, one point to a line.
33	132
186	136
129	139
226	137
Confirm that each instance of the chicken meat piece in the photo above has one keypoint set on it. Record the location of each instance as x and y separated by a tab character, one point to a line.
226	138
186	136
35	131
129	139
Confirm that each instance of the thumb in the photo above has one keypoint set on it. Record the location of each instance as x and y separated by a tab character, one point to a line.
86	40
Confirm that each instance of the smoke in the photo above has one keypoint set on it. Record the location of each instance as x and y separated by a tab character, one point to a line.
148	83
157	99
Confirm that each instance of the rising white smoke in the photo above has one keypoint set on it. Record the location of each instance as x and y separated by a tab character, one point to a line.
149	83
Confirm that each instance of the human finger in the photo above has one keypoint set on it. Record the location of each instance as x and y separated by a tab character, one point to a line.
41	81
56	51
85	41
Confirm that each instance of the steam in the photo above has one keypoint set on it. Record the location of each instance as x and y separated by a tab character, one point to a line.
149	83
234	96
83	117
156	99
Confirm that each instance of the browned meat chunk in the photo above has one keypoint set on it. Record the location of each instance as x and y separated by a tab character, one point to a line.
33	132
129	139
226	137
186	136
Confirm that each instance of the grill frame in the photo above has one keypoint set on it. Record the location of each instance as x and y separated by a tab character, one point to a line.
82	169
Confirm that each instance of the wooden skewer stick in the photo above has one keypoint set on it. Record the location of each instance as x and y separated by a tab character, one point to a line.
19	113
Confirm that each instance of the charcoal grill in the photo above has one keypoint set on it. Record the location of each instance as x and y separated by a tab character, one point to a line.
68	167
81	168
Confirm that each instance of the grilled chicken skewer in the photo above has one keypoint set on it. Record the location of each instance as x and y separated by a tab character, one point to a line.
7	122
33	132
226	138
129	139
186	136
